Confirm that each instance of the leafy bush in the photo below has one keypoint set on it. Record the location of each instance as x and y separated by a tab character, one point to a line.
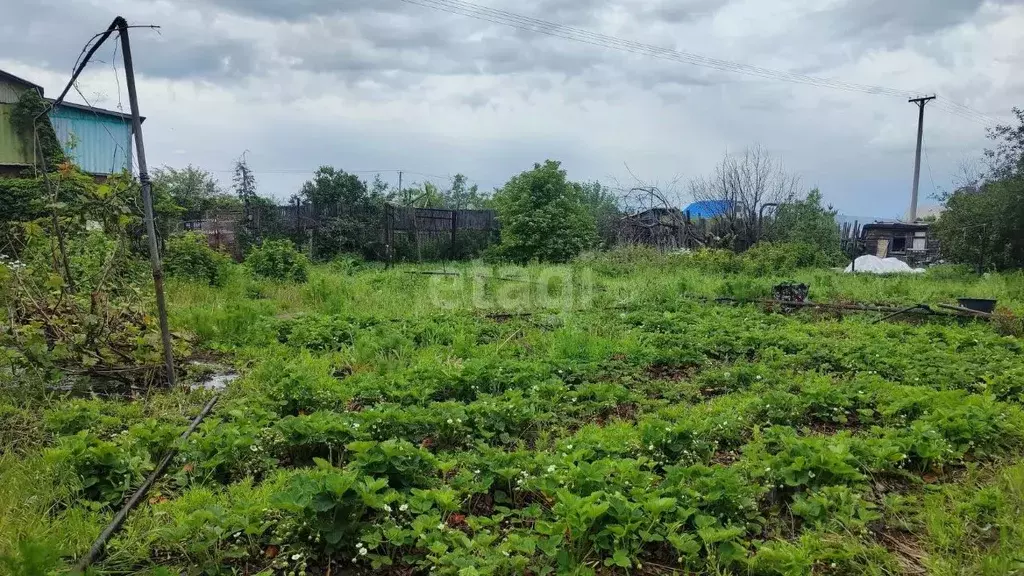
107	471
278	260
543	216
189	256
331	506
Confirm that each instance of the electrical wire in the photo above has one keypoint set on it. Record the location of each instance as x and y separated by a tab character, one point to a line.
518	21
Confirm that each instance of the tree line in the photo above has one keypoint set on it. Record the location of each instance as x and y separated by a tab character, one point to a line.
548	217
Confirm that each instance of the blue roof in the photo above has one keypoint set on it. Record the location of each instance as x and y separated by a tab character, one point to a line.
708	208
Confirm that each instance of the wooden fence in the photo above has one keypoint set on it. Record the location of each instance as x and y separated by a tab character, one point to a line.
448	234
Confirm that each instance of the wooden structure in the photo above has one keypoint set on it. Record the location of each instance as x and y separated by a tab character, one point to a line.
672	229
452	234
911	243
221	231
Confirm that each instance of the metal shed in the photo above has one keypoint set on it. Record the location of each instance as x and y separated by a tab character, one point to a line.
98	141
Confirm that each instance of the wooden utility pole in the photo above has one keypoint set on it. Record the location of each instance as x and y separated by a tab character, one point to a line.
921	102
147	199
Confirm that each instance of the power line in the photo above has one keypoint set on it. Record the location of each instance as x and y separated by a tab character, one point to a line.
513	20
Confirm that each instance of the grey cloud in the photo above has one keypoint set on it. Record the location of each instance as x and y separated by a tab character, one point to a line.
888	23
51	35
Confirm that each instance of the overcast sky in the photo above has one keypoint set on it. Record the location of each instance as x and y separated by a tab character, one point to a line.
368	85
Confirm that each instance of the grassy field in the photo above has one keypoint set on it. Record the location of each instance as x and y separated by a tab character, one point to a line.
594	418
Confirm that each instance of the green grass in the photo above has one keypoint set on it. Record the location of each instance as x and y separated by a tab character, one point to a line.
593	418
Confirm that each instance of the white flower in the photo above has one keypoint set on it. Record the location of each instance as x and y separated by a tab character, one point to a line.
727	374
476	471
387	508
450	421
551	468
758	377
359	545
355	424
253	447
362	551
440	526
296	556
569	447
403	507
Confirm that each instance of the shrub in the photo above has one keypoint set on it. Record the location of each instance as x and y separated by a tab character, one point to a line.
543	216
278	260
190	256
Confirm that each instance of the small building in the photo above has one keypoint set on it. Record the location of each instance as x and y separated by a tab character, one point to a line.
912	243
98	141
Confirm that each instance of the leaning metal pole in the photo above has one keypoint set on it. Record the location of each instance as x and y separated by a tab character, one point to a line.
147	200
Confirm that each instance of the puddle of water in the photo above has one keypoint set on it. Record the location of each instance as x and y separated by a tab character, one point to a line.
218	381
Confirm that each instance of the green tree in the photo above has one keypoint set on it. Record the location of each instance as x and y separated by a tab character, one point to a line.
193	189
806	222
543	216
983	224
350	213
463	197
985	228
603	206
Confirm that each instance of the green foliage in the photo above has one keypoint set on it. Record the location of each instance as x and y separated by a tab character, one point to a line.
984	228
333	506
189	256
278	260
88	310
29	107
768	258
543	216
603	206
194	190
649	432
983	224
106	471
807	222
350	213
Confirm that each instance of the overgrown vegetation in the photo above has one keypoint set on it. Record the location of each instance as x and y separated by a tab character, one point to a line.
983	224
189	256
384	424
278	260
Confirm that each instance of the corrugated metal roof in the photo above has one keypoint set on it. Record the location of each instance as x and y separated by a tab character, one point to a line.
95	110
708	208
11	87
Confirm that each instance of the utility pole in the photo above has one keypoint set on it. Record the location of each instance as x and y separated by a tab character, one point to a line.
147	199
921	102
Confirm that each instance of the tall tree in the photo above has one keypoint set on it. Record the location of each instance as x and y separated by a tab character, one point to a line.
747	183
983	224
543	216
244	181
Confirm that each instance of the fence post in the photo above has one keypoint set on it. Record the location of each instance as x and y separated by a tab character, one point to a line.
455	226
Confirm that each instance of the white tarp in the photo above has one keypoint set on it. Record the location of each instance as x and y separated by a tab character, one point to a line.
875	265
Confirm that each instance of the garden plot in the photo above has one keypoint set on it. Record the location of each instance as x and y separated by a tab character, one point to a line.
374	429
